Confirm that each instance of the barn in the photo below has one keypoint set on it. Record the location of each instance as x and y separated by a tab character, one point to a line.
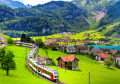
44	60
68	62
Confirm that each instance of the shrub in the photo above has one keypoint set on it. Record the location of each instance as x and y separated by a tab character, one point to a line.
108	62
54	48
10	41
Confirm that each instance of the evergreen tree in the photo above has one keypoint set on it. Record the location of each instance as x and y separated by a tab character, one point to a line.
23	38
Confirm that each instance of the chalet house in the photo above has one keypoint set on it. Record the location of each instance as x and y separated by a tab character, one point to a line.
101	56
96	50
44	60
62	47
113	51
117	60
70	61
82	48
71	49
53	44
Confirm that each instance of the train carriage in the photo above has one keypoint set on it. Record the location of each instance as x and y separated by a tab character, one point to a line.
40	69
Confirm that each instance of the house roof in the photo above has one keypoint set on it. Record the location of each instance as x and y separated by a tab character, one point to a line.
71	47
96	50
68	58
113	51
81	47
116	57
41	58
102	55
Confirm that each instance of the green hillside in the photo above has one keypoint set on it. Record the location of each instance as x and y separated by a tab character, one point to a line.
21	74
98	71
94	4
61	16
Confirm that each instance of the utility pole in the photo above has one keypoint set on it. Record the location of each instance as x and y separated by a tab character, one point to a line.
89	77
57	71
26	50
37	60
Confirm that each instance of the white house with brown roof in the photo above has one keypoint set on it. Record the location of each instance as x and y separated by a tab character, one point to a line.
44	60
117	60
101	56
70	61
71	49
113	51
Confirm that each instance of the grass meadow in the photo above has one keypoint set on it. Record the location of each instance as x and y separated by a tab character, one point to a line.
100	74
21	75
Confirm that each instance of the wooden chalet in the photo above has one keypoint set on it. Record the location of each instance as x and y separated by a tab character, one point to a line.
101	56
113	51
71	49
68	62
96	50
117	60
82	48
44	60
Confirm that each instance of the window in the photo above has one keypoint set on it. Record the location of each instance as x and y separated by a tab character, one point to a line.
47	72
38	69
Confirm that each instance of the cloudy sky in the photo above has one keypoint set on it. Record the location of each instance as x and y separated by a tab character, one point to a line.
35	2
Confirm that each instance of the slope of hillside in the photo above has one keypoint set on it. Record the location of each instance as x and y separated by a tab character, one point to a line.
97	8
6	13
13	4
62	17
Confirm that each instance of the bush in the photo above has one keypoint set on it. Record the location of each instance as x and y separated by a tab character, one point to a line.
65	50
53	62
10	41
108	62
92	55
39	42
54	48
45	47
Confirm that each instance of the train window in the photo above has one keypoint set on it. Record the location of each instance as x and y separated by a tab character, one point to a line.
52	75
41	70
38	69
47	72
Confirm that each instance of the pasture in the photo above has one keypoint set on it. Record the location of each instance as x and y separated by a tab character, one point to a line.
21	75
100	74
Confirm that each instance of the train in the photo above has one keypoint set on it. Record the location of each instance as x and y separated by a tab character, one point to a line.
42	70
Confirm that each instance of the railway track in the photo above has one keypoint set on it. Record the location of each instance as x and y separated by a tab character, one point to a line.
59	82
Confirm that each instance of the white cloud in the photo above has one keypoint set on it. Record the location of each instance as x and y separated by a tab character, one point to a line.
35	2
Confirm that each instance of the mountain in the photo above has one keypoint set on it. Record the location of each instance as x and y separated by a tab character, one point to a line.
13	4
6	13
61	17
112	20
94	4
96	8
112	16
35	26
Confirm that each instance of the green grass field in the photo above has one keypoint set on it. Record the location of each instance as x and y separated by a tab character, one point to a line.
21	75
100	74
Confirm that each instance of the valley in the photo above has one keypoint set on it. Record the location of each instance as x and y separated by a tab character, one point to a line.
74	42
